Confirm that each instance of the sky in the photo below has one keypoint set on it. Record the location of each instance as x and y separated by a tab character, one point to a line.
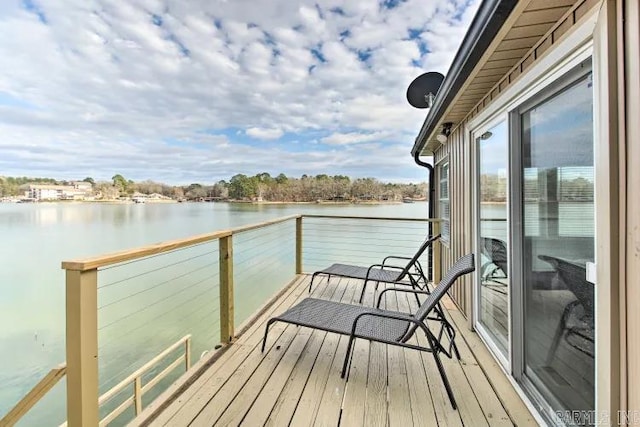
182	91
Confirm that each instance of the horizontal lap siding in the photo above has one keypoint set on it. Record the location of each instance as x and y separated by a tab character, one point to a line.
458	152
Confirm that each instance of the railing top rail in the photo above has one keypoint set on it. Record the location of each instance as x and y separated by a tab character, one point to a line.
158	248
377	218
140	371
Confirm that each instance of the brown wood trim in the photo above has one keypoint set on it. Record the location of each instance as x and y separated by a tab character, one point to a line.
158	248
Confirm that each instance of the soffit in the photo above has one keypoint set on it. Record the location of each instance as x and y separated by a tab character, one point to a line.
528	23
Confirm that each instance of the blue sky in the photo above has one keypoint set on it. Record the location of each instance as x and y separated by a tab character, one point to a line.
183	91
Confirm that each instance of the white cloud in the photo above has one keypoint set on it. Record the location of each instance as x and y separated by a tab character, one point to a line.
259	133
101	88
353	138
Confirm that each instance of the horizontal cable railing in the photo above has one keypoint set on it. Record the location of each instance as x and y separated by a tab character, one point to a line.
146	303
360	241
124	310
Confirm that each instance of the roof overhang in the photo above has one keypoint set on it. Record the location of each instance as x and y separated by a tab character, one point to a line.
486	24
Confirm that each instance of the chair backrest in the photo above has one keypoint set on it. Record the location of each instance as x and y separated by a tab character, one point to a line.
462	266
428	242
575	278
496	251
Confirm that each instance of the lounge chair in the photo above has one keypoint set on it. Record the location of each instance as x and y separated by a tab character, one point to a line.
383	272
496	251
575	325
375	324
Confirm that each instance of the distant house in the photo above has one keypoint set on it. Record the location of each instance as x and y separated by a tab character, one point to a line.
76	191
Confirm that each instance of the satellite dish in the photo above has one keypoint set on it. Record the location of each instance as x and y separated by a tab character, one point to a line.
423	89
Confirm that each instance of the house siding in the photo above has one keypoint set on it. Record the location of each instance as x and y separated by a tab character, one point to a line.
459	151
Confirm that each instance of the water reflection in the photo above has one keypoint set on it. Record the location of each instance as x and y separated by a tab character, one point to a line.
37	237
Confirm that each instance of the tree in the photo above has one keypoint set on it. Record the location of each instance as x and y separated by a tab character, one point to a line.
120	183
89	180
242	187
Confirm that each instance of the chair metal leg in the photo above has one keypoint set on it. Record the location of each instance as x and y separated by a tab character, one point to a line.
559	331
347	357
313	276
266	331
364	287
443	374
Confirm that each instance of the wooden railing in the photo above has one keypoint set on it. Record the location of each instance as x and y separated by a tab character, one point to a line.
135	380
82	318
83	399
34	396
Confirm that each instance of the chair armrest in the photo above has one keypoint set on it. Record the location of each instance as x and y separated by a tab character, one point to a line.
412	291
387	315
382	267
394	257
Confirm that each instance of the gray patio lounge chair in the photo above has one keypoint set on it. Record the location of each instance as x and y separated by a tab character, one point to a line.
576	324
383	272
375	324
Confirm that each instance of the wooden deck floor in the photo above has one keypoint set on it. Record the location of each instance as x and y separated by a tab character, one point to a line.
297	380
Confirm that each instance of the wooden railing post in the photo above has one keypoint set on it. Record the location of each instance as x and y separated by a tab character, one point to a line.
82	347
299	245
137	395
226	289
437	255
187	354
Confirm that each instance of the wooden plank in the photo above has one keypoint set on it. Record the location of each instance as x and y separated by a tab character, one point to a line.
375	404
323	372
353	406
196	396
535	30
272	376
232	401
288	380
550	15
509	54
226	289
35	394
224	396
511	402
546	4
400	397
523	43
327	412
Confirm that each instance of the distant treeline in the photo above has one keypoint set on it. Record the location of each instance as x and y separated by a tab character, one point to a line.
242	187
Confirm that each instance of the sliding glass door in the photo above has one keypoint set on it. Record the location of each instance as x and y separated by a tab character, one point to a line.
493	293
556	241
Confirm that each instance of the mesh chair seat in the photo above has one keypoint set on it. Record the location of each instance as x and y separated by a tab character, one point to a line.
339	318
358	272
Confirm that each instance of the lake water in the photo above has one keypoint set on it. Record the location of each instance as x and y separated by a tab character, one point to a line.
35	238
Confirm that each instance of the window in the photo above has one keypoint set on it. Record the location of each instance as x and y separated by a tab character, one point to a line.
444	210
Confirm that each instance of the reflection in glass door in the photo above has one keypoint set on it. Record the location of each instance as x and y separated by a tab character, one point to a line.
557	242
493	291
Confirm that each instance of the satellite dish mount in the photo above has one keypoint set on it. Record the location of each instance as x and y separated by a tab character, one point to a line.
422	91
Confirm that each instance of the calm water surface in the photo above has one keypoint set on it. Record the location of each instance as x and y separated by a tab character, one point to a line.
35	238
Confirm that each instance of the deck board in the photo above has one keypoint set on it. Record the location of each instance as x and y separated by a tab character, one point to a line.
297	380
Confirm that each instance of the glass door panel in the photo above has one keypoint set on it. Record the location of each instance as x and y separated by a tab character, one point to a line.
558	241
493	292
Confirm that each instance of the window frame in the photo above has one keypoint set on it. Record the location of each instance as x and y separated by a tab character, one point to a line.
445	236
